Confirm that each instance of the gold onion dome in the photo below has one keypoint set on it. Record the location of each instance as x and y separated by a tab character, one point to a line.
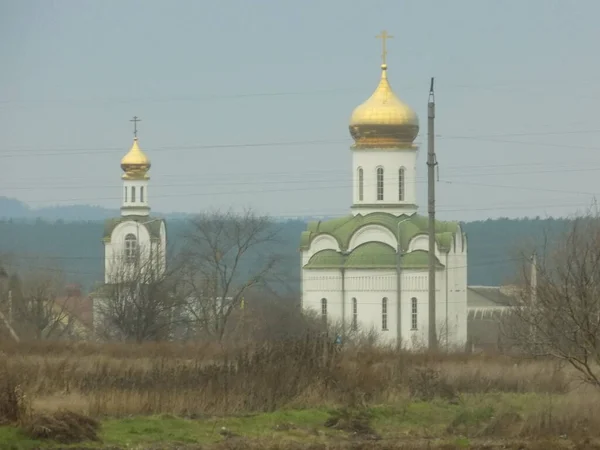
384	121
135	164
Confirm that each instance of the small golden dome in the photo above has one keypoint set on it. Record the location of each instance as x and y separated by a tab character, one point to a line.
384	121
135	164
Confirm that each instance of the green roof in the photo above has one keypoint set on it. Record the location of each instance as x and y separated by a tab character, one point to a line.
343	228
152	227
371	255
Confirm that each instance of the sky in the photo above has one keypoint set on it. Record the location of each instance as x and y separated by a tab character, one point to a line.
246	103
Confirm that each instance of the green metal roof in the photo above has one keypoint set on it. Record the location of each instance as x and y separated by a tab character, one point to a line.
371	255
152	227
343	228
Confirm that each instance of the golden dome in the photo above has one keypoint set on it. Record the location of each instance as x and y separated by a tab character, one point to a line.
135	164
383	121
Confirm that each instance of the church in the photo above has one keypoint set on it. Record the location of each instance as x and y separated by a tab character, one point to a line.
368	271
134	243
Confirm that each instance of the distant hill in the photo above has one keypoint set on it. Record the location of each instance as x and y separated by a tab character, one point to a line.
11	208
70	239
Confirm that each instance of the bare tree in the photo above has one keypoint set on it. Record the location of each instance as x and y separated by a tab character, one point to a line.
557	311
39	305
139	303
227	255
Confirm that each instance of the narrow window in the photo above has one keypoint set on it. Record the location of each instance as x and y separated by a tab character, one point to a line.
414	314
354	314
401	184
324	309
142	194
384	314
380	183
125	194
130	247
360	185
133	194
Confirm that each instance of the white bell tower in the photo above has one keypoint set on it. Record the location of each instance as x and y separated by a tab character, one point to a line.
384	158
135	241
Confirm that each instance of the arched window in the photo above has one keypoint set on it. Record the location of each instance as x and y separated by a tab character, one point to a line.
324	309
133	193
380	183
354	314
130	247
401	184
142	194
413	316
384	313
361	187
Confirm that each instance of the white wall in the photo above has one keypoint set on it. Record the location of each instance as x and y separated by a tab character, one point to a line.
370	286
114	249
391	160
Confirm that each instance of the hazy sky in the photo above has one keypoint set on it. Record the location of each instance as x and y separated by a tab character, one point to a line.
517	87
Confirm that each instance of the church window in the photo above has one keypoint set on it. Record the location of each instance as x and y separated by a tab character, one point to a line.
142	194
130	247
324	309
125	194
384	314
401	184
414	317
354	314
361	192
380	183
133	193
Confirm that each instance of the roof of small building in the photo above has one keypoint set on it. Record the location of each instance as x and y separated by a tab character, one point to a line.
371	255
153	226
343	228
489	297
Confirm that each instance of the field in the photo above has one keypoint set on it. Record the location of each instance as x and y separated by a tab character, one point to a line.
303	394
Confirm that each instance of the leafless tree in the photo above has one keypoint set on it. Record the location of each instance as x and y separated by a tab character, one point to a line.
139	303
227	255
39	305
557	310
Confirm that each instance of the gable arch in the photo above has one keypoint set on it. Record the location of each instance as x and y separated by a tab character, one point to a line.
130	227
323	242
372	233
421	242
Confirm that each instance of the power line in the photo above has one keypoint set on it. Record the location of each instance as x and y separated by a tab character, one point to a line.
321	187
14	153
303	180
515	84
60	270
308	176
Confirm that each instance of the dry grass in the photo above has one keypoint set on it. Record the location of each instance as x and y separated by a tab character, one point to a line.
185	380
64	427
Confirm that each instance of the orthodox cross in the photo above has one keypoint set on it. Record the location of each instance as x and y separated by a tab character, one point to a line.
135	120
384	36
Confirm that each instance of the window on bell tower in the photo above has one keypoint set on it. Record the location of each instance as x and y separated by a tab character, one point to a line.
142	194
401	184
360	184
380	183
133	194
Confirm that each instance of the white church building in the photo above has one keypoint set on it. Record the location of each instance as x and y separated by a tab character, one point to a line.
134	243
369	269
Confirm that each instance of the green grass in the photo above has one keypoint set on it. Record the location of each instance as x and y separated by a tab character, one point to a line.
437	419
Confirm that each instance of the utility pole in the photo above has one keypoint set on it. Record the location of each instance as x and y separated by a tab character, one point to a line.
431	163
